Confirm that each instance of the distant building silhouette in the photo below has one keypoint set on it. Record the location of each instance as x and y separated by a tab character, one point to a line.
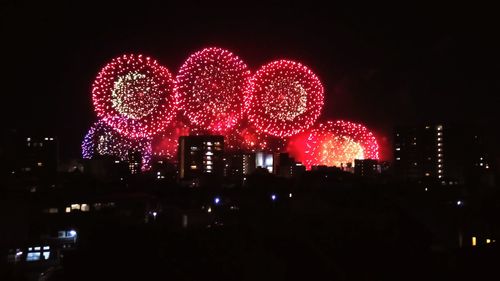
201	156
420	152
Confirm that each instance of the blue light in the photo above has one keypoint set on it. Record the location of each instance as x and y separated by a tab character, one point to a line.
273	197
216	200
72	233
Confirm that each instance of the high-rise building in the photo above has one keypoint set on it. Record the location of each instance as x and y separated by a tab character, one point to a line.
238	164
420	152
366	167
201	156
286	166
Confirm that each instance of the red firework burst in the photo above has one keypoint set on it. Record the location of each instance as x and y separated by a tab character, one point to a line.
134	95
166	144
210	86
336	143
284	98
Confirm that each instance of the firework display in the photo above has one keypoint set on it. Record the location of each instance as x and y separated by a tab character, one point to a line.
101	139
284	98
141	108
336	143
134	95
211	86
166	144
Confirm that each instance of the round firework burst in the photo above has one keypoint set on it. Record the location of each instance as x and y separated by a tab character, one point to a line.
166	144
244	137
336	143
211	85
101	139
134	95
284	98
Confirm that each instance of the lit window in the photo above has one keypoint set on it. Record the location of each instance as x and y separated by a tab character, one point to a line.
75	206
398	158
39	164
439	127
440	144
193	167
53	210
68	210
208	143
427	174
85	208
488	241
474	242
209	153
398	148
33	256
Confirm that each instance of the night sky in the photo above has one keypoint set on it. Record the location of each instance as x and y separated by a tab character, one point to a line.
381	66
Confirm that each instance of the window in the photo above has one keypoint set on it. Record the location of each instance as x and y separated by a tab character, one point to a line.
75	206
85	208
33	256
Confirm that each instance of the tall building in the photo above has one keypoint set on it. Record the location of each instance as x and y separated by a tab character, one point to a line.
201	156
420	152
366	167
30	162
239	164
286	166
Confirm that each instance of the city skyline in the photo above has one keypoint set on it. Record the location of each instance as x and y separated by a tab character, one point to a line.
373	72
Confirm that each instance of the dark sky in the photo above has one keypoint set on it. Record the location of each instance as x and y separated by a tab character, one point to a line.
380	65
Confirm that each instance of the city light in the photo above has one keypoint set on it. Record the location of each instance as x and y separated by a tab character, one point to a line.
273	197
216	200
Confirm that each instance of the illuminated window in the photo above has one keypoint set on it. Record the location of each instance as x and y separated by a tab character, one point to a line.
85	208
33	256
398	158
75	206
439	127
68	210
208	143
193	167
474	242
440	144
398	148
39	164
